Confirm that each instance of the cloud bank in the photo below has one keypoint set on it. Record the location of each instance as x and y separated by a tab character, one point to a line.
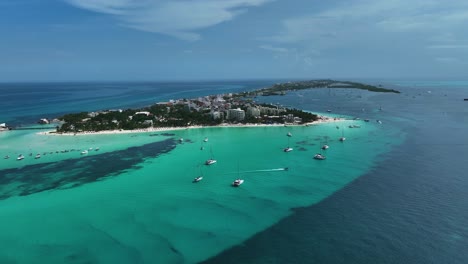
177	18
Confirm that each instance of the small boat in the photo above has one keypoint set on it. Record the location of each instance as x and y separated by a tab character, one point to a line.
6	157
20	157
325	147
38	156
366	120
205	140
329	111
342	138
181	140
237	182
319	156
96	149
84	152
210	162
197	179
288	149
378	121
289	134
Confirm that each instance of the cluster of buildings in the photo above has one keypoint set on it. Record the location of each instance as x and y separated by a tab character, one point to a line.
227	107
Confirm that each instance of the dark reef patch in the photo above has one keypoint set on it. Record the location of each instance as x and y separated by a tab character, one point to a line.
72	173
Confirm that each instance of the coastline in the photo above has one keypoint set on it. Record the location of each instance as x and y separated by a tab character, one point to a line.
322	119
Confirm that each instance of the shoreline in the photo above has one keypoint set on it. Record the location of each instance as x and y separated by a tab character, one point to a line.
321	120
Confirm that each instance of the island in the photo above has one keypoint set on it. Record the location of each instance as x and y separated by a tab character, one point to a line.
213	110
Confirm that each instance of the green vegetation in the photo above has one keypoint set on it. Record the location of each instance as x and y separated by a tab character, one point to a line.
281	88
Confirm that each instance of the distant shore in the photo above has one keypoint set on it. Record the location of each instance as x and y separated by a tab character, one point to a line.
321	120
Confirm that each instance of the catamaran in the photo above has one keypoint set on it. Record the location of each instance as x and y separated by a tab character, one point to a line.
288	149
210	161
238	181
325	146
342	138
199	178
319	156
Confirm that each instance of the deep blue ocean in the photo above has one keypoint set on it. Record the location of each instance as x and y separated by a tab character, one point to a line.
411	207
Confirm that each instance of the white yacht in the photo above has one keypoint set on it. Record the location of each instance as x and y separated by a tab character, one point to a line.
288	149
237	182
319	156
197	179
20	157
210	162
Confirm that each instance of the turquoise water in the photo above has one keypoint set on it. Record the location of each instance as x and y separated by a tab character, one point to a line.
149	211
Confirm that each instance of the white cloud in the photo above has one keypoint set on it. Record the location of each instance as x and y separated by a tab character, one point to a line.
366	17
178	18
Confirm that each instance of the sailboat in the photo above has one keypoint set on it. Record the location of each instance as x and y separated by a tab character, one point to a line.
199	178
342	138
210	161
288	149
237	182
319	156
325	146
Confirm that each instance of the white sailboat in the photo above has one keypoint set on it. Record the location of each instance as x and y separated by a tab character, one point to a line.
210	161
342	138
319	156
325	146
199	178
237	182
288	149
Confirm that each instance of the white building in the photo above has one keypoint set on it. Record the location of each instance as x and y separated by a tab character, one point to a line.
253	111
236	114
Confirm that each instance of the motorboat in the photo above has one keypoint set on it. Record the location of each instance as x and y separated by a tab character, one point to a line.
289	134
378	121
20	157
205	140
6	157
342	139
197	179
181	140
210	162
237	182
84	152
38	156
319	156
325	147
366	120
288	149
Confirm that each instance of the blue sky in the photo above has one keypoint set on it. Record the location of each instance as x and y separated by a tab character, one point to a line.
63	40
